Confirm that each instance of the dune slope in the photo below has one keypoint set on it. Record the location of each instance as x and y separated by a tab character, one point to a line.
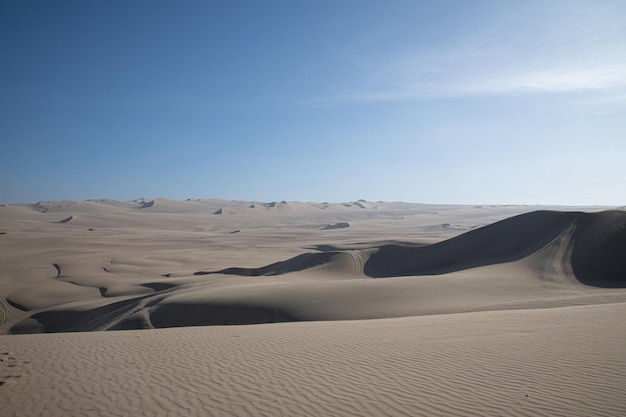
537	259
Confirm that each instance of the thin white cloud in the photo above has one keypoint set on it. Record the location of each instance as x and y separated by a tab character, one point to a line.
552	81
548	81
556	50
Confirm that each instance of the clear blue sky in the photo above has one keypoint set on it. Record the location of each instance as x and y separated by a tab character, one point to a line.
435	102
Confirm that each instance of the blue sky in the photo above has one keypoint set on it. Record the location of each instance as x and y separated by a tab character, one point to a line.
434	102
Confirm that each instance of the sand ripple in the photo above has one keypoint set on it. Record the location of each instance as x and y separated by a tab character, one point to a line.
567	361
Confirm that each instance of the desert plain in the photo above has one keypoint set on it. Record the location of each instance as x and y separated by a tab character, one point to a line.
243	308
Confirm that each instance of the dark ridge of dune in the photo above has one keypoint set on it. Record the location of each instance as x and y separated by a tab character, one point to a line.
504	241
40	206
16	305
599	254
56	321
183	314
298	263
220	211
66	220
363	245
58	269
133	322
326	248
159	286
136	314
146	204
26	326
341	225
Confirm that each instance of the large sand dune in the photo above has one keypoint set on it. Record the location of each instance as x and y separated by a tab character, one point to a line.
540	258
422	281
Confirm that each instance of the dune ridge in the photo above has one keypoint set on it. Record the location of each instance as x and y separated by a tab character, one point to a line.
557	258
599	256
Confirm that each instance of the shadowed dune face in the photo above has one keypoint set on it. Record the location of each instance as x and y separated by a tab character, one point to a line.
504	241
75	320
299	263
184	314
599	257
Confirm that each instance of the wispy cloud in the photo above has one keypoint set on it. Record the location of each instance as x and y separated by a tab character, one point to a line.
547	81
552	80
553	53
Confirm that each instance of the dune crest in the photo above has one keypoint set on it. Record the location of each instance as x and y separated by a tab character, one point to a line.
66	220
541	258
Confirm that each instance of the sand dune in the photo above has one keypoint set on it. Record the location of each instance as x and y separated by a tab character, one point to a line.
340	225
540	259
66	220
503	310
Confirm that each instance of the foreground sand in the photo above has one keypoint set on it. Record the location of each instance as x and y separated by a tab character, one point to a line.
396	309
555	362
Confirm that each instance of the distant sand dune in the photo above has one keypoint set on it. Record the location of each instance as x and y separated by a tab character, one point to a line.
504	241
66	220
600	246
538	259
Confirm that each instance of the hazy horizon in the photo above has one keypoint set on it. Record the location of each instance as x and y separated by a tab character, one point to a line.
349	200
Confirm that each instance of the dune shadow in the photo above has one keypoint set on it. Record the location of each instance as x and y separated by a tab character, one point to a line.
159	286
298	263
599	254
504	241
209	314
598	258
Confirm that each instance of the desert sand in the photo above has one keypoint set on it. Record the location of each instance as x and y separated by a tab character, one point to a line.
242	308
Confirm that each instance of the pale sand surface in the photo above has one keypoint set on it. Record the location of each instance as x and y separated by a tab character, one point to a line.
396	309
555	362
